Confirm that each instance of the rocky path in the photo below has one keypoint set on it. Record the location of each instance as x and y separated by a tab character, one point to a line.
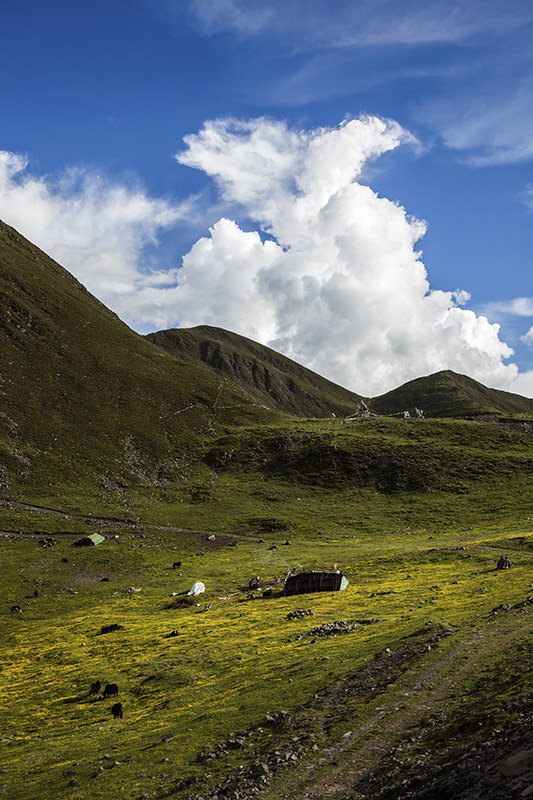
341	769
352	741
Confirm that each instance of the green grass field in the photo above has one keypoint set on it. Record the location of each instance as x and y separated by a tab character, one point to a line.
428	528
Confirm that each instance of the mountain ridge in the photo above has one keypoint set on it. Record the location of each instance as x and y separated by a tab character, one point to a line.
450	394
287	386
269	376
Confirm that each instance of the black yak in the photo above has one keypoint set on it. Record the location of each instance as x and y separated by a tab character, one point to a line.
111	690
113	627
116	710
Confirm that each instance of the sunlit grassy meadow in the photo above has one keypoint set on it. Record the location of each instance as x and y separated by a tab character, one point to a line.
434	551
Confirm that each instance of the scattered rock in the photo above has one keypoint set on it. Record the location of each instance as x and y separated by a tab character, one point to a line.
334	628
527	601
517	763
300	613
260	768
191	780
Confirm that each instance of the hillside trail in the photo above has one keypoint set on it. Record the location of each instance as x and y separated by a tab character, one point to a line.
107	522
112	521
343	764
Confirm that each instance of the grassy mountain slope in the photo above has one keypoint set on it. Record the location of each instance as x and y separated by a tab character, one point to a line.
83	396
448	394
271	377
285	385
416	515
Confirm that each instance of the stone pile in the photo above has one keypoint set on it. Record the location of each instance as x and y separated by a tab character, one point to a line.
527	601
243	782
300	614
334	628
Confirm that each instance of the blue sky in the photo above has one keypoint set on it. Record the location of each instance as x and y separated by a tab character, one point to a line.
96	101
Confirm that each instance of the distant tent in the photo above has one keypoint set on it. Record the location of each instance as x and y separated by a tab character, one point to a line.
89	541
315	581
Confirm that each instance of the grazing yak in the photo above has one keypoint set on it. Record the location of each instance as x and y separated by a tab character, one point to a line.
111	690
95	687
113	627
176	565
116	710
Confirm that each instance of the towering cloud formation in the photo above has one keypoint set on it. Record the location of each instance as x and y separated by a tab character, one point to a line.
335	281
328	275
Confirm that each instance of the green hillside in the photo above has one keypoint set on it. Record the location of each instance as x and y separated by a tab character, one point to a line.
270	377
84	398
447	394
419	672
283	384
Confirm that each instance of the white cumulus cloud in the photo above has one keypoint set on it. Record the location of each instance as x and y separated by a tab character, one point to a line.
523	384
340	287
329	273
96	228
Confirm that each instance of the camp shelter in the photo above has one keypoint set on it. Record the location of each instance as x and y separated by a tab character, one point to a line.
315	581
88	541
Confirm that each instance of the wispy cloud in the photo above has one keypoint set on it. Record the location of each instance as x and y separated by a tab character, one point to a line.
519	306
527	338
474	59
314	23
491	123
527	196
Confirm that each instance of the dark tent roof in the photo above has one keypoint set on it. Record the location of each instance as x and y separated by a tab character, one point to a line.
315	581
92	539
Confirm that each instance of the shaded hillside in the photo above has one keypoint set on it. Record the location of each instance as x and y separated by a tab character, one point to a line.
272	378
84	398
451	456
448	394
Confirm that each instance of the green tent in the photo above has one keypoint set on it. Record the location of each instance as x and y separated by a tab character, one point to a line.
88	541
